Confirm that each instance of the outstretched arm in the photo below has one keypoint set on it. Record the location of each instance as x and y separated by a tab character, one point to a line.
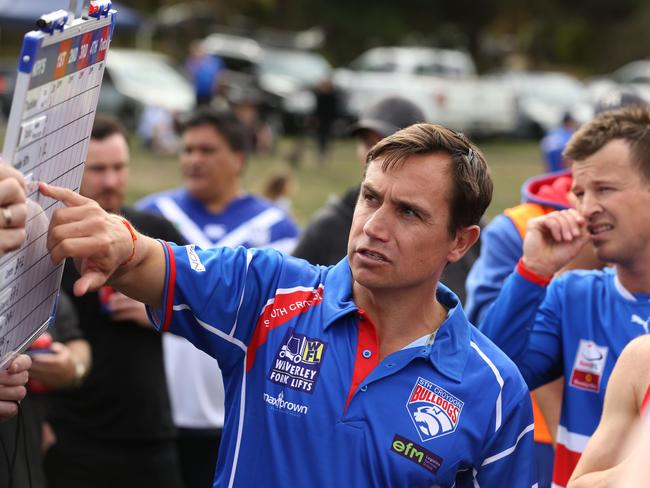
105	248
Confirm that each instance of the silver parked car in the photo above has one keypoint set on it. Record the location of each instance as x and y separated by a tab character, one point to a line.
135	79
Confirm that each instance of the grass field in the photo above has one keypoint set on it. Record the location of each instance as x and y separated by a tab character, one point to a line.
511	162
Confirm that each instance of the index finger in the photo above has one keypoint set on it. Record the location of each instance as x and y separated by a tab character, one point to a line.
68	197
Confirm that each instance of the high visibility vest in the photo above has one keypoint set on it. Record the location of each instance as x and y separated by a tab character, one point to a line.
520	215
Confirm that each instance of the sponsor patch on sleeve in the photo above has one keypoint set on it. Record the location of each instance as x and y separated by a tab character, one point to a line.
195	262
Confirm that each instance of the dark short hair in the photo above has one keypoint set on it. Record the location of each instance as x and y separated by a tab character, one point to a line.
225	123
471	185
105	126
631	124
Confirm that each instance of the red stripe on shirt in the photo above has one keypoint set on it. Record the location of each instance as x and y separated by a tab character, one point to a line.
285	306
367	341
565	462
171	283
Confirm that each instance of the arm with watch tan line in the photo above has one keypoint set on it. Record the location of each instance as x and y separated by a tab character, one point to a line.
105	248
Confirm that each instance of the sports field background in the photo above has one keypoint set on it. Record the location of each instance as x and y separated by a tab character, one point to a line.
511	162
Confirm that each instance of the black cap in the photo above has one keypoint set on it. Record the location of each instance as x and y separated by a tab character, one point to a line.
617	99
388	116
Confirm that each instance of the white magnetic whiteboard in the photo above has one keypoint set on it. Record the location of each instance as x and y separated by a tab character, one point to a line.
52	114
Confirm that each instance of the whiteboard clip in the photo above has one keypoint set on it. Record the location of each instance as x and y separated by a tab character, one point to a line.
53	21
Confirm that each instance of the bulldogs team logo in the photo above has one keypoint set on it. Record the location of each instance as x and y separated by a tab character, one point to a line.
434	411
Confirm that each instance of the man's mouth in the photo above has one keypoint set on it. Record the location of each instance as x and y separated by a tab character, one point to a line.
373	255
596	229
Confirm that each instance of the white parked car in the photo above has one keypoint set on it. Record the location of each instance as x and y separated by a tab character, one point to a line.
135	79
544	97
633	77
442	82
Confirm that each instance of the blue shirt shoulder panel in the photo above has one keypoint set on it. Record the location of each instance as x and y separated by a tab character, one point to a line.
501	248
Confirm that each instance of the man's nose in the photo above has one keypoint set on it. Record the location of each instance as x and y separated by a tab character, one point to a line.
378	224
111	179
589	206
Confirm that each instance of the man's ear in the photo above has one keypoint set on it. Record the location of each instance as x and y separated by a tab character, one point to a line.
241	161
464	240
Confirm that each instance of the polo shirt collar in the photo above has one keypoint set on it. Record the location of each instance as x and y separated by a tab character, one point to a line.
449	352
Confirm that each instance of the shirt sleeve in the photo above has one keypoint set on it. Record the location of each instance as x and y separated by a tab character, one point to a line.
214	297
501	248
509	455
525	323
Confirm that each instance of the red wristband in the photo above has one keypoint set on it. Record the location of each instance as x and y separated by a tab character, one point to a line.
134	237
532	276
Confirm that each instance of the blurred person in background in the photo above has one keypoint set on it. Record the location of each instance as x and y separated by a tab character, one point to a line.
279	190
204	70
326	111
554	143
324	239
157	130
212	209
116	429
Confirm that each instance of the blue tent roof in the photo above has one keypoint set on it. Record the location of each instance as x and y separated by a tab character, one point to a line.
24	13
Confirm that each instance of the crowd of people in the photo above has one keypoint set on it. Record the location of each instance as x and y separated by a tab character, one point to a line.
395	341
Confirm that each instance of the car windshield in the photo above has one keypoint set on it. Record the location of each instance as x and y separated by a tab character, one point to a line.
145	71
306	67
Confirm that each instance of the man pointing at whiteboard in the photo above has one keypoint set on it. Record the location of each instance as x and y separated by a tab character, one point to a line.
366	373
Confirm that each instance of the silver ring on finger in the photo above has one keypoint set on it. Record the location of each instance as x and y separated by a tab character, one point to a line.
7	216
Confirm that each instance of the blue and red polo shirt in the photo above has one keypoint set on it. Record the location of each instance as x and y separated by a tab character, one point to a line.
308	403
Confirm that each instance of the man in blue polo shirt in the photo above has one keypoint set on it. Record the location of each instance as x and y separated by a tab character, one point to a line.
578	325
366	373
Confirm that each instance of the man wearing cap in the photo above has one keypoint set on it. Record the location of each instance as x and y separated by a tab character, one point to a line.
324	240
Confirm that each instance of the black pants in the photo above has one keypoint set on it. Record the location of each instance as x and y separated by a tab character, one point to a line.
197	451
76	462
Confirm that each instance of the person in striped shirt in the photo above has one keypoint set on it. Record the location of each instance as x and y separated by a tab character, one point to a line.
211	210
